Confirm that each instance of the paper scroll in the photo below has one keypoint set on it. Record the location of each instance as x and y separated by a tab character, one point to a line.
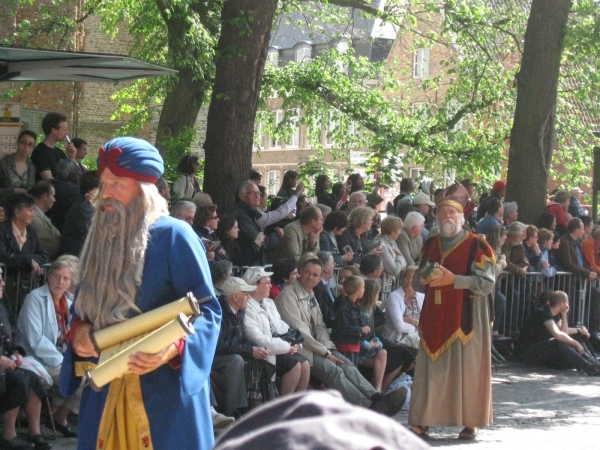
145	322
151	343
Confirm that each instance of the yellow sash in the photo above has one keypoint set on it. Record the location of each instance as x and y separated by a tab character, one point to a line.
124	423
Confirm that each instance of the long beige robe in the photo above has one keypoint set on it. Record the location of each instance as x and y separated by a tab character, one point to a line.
456	389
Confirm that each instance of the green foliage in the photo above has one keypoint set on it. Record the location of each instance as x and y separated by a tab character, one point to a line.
310	169
174	149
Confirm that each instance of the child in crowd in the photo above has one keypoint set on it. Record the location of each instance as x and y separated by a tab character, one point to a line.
545	263
347	330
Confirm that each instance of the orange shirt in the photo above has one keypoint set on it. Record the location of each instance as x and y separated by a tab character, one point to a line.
589	250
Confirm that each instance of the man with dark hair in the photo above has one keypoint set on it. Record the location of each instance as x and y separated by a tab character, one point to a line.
588	225
498	191
493	217
45	155
334	225
255	177
322	291
570	259
79	217
407	187
48	234
301	236
163	188
80	152
299	309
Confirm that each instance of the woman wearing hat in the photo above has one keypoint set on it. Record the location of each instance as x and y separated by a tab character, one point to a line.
262	326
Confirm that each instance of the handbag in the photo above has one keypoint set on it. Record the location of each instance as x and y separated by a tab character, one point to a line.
260	388
292	336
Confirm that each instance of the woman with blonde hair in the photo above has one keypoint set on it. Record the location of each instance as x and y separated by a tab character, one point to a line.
354	239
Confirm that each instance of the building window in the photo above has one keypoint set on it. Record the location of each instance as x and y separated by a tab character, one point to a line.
294	140
278	118
342	48
331	127
420	110
421	63
273	57
303	53
258	141
273	182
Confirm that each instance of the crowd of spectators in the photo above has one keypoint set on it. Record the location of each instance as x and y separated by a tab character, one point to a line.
315	302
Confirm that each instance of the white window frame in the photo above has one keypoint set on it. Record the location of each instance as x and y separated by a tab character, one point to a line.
421	63
420	106
342	47
303	53
294	141
331	125
273	181
273	57
278	118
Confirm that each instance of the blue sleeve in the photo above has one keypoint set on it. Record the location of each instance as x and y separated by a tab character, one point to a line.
189	271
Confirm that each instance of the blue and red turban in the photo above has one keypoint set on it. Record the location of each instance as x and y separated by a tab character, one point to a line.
131	158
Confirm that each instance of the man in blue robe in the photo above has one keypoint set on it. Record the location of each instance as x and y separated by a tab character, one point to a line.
136	258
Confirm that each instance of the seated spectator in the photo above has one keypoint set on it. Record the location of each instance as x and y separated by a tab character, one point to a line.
202	198
66	186
49	236
322	185
232	348
325	210
355	182
44	323
348	333
206	222
407	186
220	271
299	309
255	177
493	217
300	236
163	188
322	290
288	184
511	213
393	260
184	210
17	172
334	225
514	250
570	259
285	272
423	204
410	240
22	388
547	340
354	239
546	264
186	186
575	208
591	251
371	267
263	324
344	273
588	226
79	217
20	247
496	237
338	194
533	253
559	209
356	200
228	232
252	241
402	311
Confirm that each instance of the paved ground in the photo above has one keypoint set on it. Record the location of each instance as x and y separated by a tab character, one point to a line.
540	409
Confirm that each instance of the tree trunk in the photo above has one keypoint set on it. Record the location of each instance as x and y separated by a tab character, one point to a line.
230	123
181	106
532	135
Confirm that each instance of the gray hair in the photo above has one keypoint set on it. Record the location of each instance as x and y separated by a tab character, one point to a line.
510	207
182	206
413	219
324	256
65	169
245	185
70	261
356	194
324	209
516	228
113	257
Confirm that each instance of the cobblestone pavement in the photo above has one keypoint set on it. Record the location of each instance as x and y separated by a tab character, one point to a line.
532	409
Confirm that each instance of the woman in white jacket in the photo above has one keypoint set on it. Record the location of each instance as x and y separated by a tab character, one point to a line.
402	311
393	260
262	321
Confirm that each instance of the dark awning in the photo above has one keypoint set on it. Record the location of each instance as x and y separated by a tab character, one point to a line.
25	64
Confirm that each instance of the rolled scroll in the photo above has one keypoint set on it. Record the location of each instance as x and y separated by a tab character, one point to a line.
151	343
146	322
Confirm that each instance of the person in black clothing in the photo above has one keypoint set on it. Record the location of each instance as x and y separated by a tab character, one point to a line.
288	184
79	217
498	191
347	330
232	347
334	225
323	294
45	155
322	185
354	239
547	340
66	186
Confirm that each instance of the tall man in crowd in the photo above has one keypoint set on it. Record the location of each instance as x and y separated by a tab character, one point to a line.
136	258
452	383
46	155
